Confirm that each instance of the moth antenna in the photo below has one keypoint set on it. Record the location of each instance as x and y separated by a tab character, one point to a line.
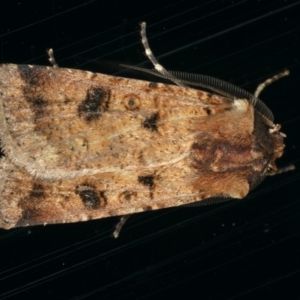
267	82
119	225
158	67
52	58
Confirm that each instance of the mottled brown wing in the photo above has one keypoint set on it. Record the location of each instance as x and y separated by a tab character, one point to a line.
29	201
81	146
63	123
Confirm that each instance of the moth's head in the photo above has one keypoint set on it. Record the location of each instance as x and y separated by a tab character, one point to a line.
278	147
269	144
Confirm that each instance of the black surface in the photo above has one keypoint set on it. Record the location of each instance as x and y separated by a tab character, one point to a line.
242	250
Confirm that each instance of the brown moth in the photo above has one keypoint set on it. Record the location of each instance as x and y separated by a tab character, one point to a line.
79	145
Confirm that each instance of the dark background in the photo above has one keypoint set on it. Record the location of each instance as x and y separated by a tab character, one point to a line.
247	249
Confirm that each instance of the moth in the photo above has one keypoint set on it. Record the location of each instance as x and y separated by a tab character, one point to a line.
79	145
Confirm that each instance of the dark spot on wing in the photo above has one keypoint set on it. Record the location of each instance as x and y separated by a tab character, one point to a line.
38	105
37	191
31	206
151	122
35	77
96	103
91	198
208	110
132	102
147	180
32	75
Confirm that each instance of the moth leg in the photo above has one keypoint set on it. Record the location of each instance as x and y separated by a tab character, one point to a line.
267	82
119	225
158	67
281	170
52	58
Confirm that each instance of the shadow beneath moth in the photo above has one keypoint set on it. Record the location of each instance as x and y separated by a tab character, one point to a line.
80	145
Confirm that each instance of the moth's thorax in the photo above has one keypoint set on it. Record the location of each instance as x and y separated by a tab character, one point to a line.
234	155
